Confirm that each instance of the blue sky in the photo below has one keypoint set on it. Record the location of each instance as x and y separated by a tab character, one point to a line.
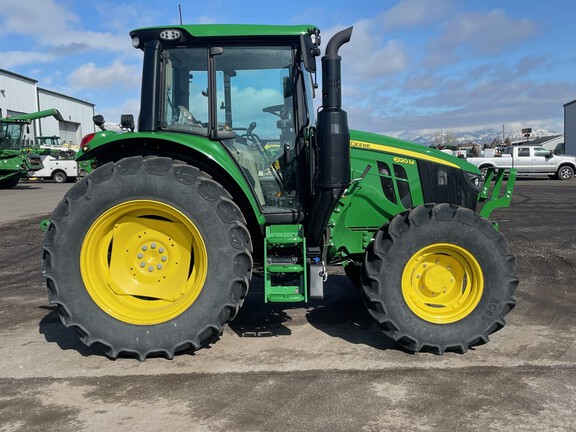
412	65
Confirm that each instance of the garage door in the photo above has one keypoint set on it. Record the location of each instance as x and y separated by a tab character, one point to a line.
69	132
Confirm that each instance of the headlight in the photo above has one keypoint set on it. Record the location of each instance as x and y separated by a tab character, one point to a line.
170	34
475	180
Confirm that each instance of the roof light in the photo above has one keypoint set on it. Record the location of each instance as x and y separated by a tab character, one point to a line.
170	34
135	41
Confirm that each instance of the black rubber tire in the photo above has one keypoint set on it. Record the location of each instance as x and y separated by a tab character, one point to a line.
565	172
483	170
9	183
354	271
59	177
203	201
394	245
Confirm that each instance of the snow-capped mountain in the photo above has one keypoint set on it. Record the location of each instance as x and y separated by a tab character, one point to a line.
483	136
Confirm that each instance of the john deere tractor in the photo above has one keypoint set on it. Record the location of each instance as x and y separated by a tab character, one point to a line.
15	161
232	169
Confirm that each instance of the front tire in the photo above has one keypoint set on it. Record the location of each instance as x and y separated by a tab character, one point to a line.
439	278
565	172
147	256
9	183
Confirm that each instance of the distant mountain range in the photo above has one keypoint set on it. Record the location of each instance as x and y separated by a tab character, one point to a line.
483	136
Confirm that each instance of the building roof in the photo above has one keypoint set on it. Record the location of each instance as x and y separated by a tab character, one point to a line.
4	71
569	103
537	141
50	92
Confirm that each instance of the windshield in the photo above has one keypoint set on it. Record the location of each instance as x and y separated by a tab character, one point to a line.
10	134
254	96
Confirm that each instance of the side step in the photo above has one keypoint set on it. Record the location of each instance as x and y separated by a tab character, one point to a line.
285	278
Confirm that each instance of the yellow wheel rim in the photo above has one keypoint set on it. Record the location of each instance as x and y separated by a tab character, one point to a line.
442	283
143	262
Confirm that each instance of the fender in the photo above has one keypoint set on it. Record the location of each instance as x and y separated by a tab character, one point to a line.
111	146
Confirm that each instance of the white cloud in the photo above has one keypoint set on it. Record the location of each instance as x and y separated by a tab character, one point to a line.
117	74
13	59
412	13
112	113
479	33
367	56
51	24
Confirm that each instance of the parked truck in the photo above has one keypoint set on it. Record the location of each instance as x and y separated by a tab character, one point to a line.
16	161
56	168
529	161
231	173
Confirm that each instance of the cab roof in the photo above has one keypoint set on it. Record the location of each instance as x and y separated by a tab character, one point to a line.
231	30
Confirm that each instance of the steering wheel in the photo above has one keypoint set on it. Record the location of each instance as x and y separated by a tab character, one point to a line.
274	109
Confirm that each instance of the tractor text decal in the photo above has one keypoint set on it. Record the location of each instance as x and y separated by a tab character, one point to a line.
404	160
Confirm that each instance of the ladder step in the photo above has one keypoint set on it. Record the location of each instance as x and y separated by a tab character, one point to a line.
285	268
282	241
284	294
285	277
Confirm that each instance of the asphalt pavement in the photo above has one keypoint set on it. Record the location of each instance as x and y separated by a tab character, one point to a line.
321	366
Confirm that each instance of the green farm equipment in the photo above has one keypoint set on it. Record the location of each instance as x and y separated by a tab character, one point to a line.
229	171
16	161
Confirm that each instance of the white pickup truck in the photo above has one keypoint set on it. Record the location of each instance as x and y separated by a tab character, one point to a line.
529	161
59	170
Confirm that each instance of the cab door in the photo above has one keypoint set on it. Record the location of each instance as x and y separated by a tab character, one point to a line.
523	159
543	160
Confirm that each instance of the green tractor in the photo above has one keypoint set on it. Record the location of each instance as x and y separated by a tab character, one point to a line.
16	161
230	172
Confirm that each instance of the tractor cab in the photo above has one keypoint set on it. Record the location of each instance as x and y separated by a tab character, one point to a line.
245	88
10	135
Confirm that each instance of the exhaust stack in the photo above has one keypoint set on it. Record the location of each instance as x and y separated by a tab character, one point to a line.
333	140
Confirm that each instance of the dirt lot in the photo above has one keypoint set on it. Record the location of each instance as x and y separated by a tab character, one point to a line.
320	366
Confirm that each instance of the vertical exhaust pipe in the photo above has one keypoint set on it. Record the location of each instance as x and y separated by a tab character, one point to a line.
333	140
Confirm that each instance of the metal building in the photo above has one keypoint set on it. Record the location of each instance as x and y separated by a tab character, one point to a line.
21	95
77	116
570	127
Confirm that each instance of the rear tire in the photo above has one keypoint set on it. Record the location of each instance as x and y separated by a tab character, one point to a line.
438	278
147	256
59	177
483	170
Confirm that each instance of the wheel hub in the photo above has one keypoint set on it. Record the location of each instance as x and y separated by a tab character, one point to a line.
442	283
438	279
150	258
143	262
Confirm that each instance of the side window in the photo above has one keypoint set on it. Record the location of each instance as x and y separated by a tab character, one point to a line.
403	186
185	90
524	152
542	152
386	182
